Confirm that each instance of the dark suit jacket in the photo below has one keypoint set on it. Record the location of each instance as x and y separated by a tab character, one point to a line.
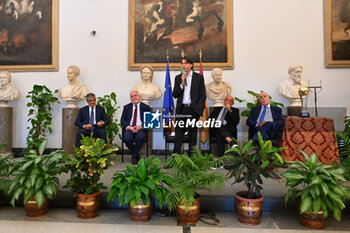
197	93
127	113
83	116
232	119
277	117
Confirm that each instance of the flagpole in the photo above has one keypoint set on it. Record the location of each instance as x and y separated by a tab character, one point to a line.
168	102
203	132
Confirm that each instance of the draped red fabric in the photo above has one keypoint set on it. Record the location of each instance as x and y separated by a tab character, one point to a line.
312	135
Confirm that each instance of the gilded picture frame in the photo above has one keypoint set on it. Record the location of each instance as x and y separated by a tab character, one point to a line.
29	35
161	29
337	33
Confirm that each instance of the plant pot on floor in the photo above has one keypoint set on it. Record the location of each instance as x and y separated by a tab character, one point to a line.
313	221
141	212
32	209
249	211
189	216
88	205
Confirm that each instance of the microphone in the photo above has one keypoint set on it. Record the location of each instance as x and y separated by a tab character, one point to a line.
186	82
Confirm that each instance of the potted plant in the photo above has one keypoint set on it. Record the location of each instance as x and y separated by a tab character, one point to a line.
86	168
255	102
248	164
109	102
191	174
35	176
4	171
136	187
343	139
319	188
40	116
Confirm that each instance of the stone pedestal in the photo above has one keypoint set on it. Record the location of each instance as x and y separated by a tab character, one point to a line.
6	125
218	102
69	130
293	110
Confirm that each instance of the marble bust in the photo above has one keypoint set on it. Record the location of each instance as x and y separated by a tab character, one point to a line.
147	90
289	88
217	90
7	91
74	90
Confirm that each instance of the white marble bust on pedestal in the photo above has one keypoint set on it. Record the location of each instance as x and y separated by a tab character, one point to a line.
289	88
7	91
147	90
74	90
217	90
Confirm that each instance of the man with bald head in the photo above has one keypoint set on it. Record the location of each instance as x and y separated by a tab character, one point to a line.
229	117
132	120
266	119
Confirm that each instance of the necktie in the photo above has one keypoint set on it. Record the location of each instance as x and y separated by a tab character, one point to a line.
135	116
262	116
92	119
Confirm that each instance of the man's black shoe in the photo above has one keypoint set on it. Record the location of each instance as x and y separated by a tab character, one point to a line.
228	167
134	160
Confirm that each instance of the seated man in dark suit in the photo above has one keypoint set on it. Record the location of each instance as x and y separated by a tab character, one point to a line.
91	119
266	119
229	118
132	121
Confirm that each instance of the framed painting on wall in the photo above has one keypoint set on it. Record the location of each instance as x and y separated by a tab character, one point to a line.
337	33
29	35
174	28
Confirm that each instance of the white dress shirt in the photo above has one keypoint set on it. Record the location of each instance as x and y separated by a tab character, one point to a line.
268	114
138	120
222	113
187	91
90	108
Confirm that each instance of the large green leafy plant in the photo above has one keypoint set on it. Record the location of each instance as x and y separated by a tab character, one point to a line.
255	102
87	164
40	116
109	102
5	165
35	175
344	140
140	183
249	163
319	186
191	174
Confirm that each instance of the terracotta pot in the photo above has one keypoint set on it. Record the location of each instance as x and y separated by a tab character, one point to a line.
32	209
249	211
141	212
189	217
88	205
311	220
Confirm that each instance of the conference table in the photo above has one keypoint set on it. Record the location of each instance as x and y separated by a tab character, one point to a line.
312	135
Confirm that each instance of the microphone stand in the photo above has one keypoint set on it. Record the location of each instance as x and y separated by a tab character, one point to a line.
315	94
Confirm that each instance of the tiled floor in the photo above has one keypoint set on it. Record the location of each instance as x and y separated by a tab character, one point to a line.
13	220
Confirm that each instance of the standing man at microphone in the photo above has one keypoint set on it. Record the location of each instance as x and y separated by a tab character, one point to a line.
189	90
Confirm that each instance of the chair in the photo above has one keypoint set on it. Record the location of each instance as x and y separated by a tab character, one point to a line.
147	146
171	139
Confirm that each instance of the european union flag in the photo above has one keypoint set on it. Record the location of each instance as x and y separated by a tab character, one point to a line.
168	102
